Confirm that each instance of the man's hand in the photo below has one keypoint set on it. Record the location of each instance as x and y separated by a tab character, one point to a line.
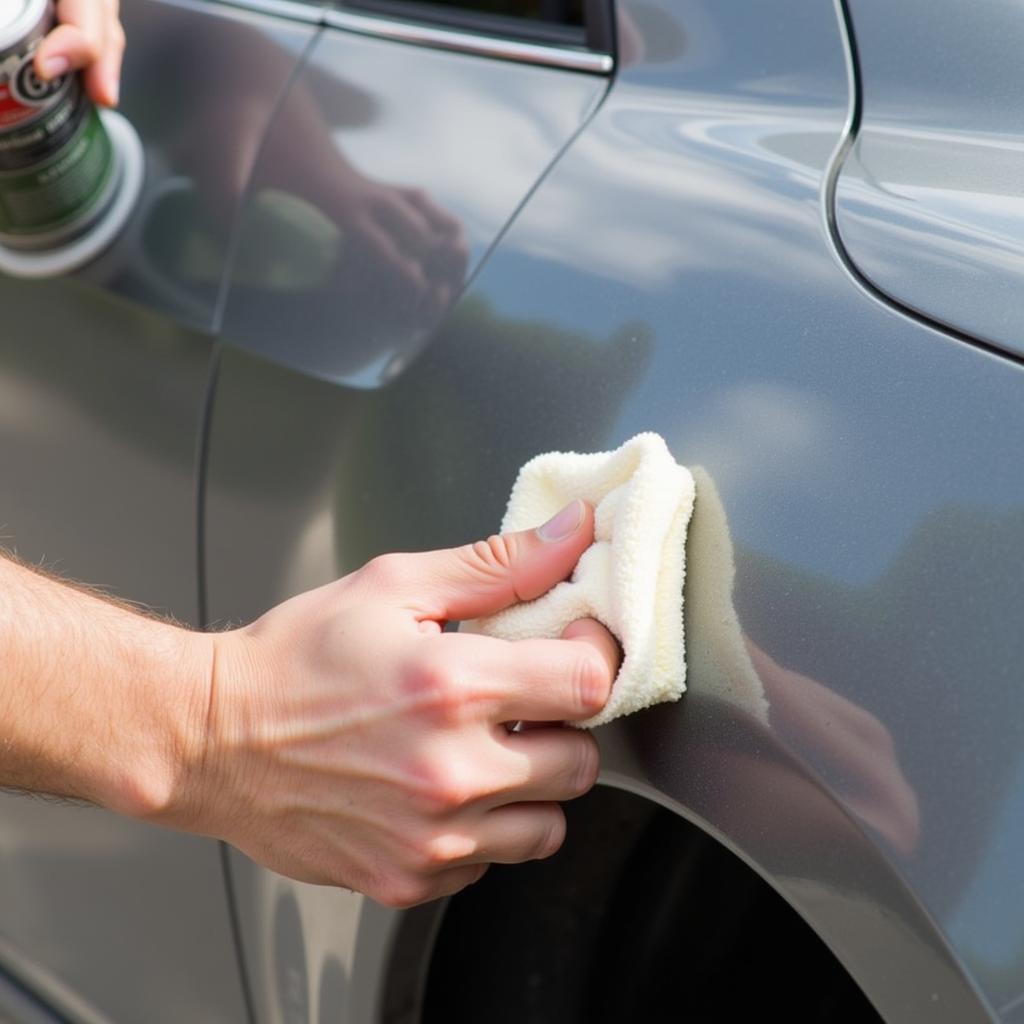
89	37
347	740
342	738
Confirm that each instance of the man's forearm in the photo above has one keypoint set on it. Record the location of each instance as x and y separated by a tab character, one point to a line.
97	702
343	737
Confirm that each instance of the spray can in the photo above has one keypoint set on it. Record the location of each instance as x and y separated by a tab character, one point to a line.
58	170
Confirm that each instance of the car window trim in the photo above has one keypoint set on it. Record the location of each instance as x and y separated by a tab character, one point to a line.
478	43
436	36
293	10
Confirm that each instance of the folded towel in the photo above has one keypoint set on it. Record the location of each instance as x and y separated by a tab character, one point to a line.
630	578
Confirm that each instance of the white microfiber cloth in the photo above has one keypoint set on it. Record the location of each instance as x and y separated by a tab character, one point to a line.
630	578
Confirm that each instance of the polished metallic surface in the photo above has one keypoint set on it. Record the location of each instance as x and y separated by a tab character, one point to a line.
298	10
312	953
673	272
472	42
386	174
444	264
201	82
19	1006
99	406
928	204
102	387
382	127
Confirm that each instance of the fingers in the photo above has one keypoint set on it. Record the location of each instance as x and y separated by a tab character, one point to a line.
552	763
447	261
438	218
428	261
403	893
517	833
448	883
89	36
461	855
537	680
482	578
596	637
383	248
406	224
103	78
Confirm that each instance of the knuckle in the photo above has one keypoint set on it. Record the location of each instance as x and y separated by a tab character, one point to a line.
444	850
385	571
92	42
117	38
449	788
436	686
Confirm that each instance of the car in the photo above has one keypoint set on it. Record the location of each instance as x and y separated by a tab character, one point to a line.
385	252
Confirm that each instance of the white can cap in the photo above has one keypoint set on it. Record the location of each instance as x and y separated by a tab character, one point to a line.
17	19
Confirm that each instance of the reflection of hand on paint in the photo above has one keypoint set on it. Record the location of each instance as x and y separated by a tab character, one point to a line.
398	247
89	38
831	730
398	236
833	734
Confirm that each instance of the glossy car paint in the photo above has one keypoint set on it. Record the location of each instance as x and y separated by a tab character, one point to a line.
929	202
475	135
102	385
673	272
375	117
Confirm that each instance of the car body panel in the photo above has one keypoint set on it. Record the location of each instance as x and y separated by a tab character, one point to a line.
99	407
364	121
103	381
661	261
673	272
928	201
201	83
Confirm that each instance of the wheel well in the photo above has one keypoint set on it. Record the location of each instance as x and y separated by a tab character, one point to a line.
640	916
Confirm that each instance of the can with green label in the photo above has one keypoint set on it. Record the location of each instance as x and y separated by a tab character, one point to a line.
58	170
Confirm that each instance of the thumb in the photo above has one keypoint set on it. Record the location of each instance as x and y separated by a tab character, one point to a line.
484	577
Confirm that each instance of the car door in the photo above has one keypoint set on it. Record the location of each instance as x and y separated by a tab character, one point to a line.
674	269
103	378
405	145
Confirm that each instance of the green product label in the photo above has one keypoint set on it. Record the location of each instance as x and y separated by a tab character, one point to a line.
62	189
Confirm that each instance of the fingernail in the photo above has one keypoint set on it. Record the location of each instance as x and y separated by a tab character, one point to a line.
562	525
54	67
115	92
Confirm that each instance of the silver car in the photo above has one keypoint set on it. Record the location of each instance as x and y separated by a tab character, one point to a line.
787	236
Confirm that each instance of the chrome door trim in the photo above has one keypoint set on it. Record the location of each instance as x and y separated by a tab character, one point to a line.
437	37
479	44
294	10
